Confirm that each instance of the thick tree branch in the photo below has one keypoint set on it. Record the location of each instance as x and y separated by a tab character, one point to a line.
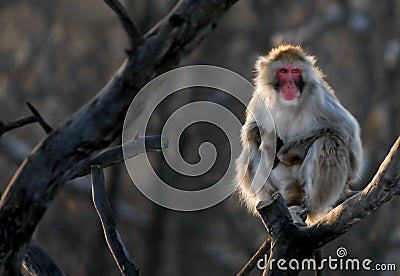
289	241
44	172
37	262
133	32
113	238
383	187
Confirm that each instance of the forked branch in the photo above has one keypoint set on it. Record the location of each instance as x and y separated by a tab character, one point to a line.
120	153
133	32
97	124
35	118
290	241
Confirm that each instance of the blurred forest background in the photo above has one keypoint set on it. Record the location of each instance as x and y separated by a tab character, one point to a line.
58	54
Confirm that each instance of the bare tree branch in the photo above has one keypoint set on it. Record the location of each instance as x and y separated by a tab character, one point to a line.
290	241
115	155
13	124
113	238
382	188
10	125
96	125
37	262
251	264
133	32
47	128
17	150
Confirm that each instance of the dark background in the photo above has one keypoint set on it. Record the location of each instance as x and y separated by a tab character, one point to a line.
58	54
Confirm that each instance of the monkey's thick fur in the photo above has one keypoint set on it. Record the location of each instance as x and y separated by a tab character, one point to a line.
331	161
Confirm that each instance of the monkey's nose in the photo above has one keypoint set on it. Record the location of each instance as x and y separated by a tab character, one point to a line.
290	82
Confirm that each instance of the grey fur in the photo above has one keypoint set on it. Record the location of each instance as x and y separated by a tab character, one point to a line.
326	162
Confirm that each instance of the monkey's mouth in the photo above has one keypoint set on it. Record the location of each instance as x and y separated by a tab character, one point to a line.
289	91
290	96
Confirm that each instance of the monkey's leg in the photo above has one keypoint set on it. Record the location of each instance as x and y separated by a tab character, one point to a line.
324	173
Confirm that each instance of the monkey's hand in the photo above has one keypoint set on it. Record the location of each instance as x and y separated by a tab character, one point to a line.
295	150
298	214
290	156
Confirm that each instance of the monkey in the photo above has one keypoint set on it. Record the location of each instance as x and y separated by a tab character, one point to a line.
297	138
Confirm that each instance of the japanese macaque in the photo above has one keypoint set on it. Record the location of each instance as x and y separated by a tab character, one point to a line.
311	151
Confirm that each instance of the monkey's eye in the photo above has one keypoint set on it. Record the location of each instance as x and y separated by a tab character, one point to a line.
295	71
282	70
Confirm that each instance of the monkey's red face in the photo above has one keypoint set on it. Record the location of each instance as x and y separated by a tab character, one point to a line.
290	82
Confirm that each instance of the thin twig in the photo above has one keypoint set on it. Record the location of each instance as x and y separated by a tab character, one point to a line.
113	238
47	128
249	266
133	32
35	118
10	125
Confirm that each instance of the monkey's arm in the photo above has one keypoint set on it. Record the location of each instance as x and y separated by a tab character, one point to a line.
294	151
255	161
256	157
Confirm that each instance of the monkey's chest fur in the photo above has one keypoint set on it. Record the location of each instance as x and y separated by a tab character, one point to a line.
285	176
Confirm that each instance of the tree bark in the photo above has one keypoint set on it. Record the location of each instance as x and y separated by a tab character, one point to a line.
44	172
292	242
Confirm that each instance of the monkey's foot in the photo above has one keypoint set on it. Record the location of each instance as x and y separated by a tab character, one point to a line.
297	213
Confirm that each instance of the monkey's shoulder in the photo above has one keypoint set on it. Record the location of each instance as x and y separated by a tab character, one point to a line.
258	112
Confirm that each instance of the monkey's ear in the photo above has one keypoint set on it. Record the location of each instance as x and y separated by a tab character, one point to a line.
261	63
